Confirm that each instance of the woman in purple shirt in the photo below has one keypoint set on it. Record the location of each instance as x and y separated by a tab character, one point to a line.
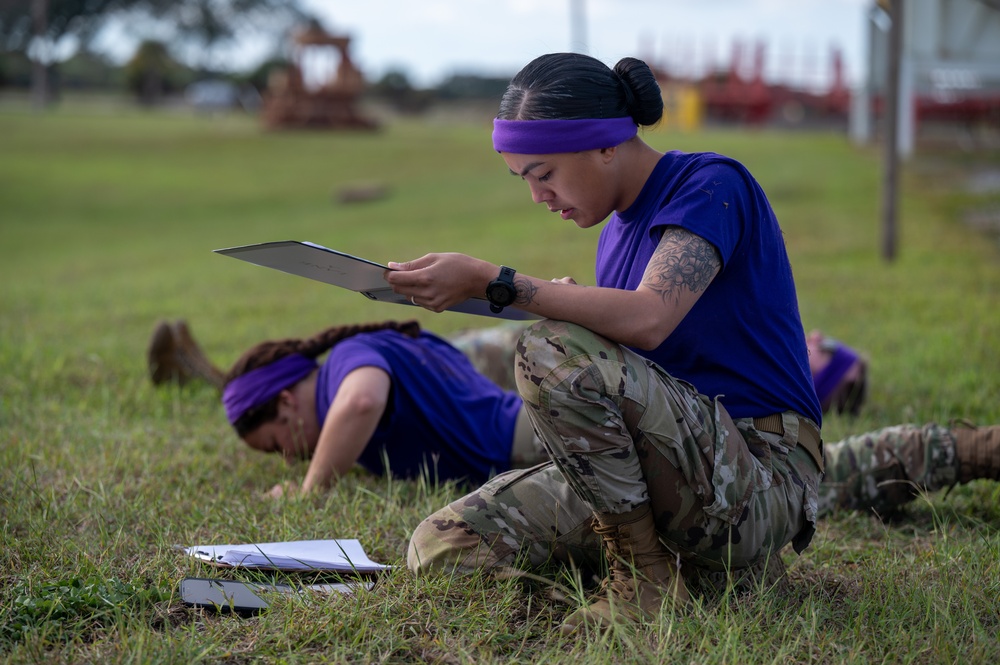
389	397
674	397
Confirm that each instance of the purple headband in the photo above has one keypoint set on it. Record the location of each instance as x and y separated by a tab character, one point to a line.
828	378
258	386
546	137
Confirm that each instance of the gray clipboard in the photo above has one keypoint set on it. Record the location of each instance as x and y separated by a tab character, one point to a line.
329	266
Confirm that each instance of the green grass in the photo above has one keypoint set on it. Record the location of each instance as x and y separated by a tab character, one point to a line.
107	222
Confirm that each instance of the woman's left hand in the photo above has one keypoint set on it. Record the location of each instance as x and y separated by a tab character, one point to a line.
287	488
439	281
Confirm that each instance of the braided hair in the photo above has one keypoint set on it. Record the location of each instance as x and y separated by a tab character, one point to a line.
269	351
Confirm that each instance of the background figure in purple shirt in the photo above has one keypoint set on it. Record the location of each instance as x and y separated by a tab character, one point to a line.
388	397
879	471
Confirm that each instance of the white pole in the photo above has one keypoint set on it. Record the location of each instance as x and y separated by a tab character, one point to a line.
577	26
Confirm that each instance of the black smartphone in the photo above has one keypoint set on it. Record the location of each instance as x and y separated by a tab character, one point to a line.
226	596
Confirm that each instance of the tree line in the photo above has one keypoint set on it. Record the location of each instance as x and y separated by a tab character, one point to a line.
34	33
182	45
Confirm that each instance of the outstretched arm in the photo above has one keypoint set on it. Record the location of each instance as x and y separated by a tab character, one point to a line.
352	419
679	271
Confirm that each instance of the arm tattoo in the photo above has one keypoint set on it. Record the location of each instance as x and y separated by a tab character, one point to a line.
681	260
525	292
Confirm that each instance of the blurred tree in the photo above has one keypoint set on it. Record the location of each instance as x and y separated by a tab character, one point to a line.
202	26
393	81
35	27
261	74
151	74
471	86
395	89
62	18
87	70
15	70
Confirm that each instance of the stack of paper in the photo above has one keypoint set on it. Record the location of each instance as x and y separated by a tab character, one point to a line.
342	555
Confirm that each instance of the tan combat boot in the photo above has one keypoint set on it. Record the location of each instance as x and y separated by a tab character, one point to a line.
642	573
173	355
977	451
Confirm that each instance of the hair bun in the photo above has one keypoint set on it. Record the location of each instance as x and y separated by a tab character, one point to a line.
642	92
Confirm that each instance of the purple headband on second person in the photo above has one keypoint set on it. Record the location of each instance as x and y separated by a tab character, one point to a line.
828	378
545	137
259	386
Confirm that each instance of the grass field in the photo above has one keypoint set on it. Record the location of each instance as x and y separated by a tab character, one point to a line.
107	222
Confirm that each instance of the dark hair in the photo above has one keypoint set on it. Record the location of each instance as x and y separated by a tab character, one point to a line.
572	86
849	396
267	352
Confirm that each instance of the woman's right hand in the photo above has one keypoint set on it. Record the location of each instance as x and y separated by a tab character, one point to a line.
439	281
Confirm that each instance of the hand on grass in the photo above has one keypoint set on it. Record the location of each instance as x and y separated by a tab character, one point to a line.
287	488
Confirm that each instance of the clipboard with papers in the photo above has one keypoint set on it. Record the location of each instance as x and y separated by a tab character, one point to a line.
307	259
344	556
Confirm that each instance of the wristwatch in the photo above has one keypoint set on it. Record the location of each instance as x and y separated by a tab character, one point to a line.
501	291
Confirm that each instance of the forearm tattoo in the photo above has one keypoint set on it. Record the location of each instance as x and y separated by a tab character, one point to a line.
681	260
525	292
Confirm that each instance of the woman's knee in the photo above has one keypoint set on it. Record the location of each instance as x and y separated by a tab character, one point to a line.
445	542
548	345
555	339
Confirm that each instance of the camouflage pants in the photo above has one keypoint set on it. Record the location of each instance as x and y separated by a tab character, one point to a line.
491	350
621	433
884	469
881	470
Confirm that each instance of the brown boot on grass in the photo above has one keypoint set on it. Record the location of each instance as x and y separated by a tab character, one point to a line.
174	356
977	452
642	573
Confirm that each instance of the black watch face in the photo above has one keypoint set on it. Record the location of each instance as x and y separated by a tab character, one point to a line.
501	294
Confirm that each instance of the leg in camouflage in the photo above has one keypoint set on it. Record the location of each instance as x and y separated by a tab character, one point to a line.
534	514
626	434
491	351
530	513
886	469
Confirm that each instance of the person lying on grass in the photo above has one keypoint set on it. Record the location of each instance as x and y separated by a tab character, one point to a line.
880	471
389	397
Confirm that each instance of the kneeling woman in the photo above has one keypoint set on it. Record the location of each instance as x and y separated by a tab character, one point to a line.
389	397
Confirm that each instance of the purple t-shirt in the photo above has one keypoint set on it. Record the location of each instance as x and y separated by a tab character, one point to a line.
442	414
743	341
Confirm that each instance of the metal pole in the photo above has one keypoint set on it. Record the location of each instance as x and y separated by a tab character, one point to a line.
890	117
39	66
578	26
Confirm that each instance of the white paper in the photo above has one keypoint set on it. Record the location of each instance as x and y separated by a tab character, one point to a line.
342	555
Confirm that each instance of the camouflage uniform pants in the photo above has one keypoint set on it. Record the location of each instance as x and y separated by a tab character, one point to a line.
491	350
884	469
881	470
621	432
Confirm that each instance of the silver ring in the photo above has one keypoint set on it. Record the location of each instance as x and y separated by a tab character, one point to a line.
412	299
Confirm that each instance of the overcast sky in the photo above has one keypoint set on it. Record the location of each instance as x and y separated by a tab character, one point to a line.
432	39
